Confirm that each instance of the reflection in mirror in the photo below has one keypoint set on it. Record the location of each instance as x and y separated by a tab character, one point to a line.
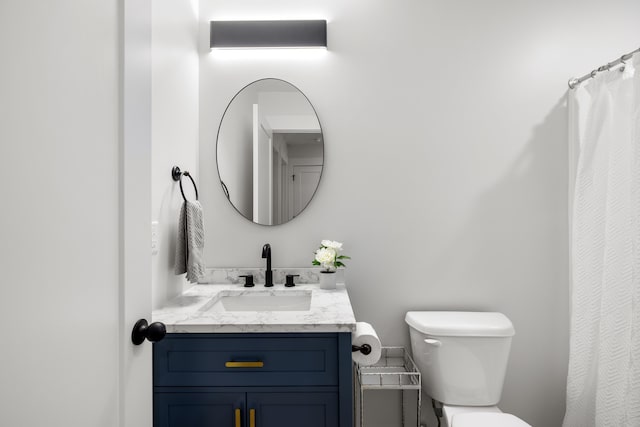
270	152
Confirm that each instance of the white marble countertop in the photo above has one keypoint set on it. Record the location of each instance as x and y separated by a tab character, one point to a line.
330	311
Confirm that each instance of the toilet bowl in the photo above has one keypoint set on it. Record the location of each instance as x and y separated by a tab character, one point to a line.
462	357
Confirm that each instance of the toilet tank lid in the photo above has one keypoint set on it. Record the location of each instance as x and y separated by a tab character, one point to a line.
460	323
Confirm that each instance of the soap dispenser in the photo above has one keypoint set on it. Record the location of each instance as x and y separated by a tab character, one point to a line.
248	280
289	281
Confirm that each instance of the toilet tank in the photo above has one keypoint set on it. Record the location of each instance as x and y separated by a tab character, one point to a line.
462	356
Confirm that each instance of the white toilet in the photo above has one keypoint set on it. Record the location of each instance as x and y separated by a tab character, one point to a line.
462	357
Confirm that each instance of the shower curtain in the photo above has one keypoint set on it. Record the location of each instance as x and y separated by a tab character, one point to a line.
603	384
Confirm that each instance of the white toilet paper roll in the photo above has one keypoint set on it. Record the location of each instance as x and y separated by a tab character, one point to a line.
365	334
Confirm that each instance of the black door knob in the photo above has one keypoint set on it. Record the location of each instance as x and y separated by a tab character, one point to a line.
153	332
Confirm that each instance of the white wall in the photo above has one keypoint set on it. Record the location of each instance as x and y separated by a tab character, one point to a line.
307	151
288	111
235	151
445	160
59	222
174	130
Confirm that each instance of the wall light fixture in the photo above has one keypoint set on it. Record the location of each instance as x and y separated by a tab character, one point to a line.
268	34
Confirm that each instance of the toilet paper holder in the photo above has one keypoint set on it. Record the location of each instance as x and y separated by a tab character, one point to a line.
364	348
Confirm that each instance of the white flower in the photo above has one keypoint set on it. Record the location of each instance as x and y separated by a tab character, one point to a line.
337	246
326	257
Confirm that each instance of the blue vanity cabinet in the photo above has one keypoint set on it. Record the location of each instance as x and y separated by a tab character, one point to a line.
188	409
253	380
310	409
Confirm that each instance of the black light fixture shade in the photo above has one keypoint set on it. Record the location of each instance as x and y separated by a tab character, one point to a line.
261	34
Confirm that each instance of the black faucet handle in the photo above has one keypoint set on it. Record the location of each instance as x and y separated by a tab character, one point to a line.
248	280
289	281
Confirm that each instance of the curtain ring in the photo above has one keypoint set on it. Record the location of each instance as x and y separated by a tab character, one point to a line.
623	61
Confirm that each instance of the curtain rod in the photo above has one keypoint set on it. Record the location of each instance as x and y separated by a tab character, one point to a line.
574	82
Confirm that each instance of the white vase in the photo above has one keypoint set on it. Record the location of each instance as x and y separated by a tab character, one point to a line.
327	280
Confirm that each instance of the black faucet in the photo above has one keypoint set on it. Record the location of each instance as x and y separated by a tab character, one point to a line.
268	274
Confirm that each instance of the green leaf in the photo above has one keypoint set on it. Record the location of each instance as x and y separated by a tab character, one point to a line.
315	262
343	257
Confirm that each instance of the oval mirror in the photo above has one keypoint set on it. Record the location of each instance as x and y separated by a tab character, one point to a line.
270	152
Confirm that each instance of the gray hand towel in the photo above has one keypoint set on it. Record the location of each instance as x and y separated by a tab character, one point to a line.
190	245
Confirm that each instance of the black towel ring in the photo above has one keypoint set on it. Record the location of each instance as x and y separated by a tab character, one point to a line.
177	174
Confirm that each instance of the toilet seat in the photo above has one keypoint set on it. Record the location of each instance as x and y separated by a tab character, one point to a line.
487	419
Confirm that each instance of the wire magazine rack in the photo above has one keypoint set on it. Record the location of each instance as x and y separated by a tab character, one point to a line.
394	371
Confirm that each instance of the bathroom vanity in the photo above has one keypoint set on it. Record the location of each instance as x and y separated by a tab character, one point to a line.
243	357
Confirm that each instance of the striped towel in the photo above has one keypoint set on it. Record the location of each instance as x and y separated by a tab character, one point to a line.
190	245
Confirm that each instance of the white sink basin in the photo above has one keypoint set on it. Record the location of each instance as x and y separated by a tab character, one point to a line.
260	301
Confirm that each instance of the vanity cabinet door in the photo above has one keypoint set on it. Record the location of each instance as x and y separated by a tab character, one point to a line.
309	409
187	409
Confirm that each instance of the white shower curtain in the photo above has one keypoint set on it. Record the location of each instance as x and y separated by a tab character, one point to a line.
603	385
